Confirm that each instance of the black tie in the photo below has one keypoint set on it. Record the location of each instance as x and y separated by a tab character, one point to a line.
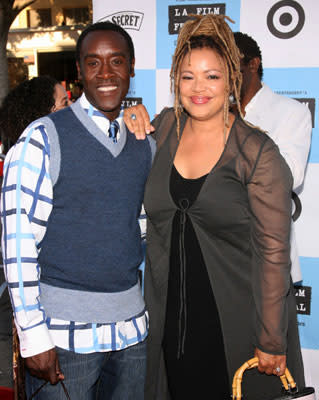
113	129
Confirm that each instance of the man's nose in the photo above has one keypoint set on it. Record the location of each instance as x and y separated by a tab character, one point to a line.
105	71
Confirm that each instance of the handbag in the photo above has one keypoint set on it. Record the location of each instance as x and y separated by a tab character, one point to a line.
43	384
290	388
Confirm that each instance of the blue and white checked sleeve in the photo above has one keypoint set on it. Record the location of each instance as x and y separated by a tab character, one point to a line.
26	203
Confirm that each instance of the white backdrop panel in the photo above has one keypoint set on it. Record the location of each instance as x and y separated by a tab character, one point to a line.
164	97
139	18
287	31
307	224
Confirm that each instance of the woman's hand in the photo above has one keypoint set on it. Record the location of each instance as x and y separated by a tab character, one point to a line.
140	125
271	364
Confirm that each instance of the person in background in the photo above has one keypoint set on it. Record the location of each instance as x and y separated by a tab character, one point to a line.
218	204
28	101
71	238
285	120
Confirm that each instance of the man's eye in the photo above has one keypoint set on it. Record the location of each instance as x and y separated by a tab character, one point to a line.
117	61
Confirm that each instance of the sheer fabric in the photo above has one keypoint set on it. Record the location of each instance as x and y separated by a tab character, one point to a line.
241	218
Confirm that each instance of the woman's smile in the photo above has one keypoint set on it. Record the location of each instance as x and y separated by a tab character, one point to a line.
200	99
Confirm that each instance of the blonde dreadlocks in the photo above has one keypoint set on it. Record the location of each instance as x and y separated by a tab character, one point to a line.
210	31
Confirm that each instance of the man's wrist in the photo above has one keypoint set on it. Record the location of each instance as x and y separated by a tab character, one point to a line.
35	341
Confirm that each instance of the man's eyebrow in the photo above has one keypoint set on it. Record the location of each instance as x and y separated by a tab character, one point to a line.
115	54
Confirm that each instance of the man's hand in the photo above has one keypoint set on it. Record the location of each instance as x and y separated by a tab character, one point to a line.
271	364
45	366
141	125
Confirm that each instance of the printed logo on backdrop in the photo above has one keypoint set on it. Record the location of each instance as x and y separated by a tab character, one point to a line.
179	14
126	19
311	104
286	19
303	299
307	102
131	101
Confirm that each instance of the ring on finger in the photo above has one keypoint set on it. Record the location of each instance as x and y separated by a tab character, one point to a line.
133	117
278	370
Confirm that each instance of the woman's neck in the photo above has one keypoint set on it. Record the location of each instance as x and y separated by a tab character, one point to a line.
199	127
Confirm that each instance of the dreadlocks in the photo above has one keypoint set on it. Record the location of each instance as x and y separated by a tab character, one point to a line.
213	32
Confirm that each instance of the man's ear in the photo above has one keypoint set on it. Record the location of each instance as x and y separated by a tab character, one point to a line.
254	64
132	71
78	67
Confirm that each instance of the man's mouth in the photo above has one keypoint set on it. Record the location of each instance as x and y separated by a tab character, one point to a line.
106	89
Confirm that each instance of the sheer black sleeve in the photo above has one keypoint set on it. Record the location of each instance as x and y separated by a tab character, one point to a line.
269	191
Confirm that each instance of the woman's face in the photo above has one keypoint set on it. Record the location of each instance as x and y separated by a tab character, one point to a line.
60	97
202	84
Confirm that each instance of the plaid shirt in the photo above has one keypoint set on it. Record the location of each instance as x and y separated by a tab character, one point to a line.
26	204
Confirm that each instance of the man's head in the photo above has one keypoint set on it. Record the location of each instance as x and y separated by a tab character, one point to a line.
250	66
105	62
250	51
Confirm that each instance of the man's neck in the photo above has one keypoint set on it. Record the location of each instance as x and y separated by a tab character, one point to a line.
250	92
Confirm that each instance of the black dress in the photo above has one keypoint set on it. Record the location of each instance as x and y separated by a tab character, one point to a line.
194	367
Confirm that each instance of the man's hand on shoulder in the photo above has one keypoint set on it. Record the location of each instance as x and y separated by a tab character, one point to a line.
138	122
45	366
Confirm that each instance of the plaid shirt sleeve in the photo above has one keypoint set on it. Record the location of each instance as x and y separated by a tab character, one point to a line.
26	204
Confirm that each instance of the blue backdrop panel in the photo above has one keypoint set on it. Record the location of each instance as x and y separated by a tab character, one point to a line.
142	89
309	324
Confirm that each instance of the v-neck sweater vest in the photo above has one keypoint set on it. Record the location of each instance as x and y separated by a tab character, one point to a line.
92	242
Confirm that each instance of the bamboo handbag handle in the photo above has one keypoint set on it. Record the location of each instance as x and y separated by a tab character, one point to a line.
286	379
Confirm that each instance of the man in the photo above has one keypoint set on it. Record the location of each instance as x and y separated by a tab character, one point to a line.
285	120
27	101
72	194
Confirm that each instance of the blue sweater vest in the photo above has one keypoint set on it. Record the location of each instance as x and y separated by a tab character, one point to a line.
92	242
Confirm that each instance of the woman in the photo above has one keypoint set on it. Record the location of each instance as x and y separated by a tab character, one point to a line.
218	201
30	100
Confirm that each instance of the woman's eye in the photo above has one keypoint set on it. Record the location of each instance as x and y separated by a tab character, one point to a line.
213	76
187	77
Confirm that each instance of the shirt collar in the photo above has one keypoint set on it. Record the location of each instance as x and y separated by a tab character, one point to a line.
254	99
100	119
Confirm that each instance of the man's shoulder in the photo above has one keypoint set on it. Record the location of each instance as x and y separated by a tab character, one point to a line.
280	103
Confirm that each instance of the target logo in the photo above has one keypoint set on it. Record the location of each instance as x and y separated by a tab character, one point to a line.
286	19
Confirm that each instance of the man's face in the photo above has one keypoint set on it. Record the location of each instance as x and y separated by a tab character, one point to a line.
105	70
245	69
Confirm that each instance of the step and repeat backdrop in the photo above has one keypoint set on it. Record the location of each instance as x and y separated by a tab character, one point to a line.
287	32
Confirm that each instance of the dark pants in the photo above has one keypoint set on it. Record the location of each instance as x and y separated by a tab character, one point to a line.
6	378
115	375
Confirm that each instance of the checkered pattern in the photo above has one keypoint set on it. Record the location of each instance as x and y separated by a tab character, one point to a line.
26	204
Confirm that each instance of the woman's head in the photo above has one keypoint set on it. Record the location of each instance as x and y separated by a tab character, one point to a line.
30	100
208	32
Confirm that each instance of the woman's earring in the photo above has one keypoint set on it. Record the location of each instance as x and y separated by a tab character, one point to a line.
231	99
180	104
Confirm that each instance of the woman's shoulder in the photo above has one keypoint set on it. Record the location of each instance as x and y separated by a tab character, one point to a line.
251	144
250	138
167	114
